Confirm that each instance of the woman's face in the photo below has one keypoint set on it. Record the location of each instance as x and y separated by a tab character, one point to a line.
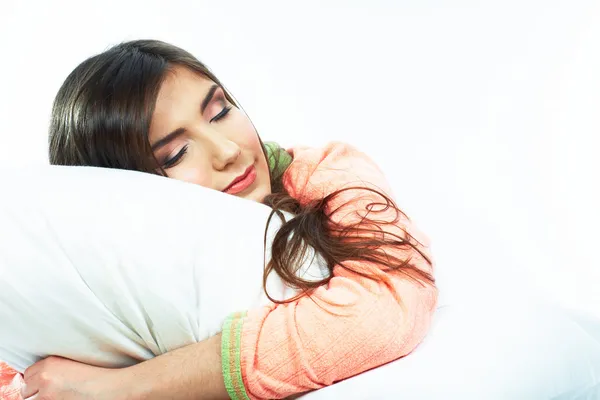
199	137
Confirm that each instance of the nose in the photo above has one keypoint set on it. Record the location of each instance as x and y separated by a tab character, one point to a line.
225	152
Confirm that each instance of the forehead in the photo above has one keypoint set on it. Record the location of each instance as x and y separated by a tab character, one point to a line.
180	82
178	100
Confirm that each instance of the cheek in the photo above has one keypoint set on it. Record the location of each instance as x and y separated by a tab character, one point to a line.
245	133
249	137
251	142
193	171
192	175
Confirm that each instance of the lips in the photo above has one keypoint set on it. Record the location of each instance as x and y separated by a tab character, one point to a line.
242	182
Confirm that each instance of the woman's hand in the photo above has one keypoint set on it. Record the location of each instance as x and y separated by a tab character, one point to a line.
189	373
63	379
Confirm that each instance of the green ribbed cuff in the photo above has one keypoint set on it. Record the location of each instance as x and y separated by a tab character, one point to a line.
231	347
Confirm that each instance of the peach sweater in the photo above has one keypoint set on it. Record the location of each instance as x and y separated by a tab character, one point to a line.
355	323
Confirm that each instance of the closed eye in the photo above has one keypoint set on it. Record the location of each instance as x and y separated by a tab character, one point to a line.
222	114
173	161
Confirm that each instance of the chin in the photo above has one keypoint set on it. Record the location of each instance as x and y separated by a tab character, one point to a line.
258	194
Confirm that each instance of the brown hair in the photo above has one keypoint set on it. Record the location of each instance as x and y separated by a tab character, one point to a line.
101	117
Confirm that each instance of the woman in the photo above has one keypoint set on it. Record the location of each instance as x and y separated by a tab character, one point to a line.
152	107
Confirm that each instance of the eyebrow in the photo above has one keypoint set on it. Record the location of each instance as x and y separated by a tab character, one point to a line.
179	131
208	97
168	139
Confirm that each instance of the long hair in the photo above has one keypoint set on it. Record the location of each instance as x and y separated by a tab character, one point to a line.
101	117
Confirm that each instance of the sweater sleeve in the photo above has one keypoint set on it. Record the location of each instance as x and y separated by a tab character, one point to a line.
11	383
346	327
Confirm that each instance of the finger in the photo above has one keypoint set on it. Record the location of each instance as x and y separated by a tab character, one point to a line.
29	391
33	370
39	366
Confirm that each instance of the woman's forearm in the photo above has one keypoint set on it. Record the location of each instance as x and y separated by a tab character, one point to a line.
192	372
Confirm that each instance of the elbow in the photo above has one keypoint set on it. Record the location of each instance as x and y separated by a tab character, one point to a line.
413	322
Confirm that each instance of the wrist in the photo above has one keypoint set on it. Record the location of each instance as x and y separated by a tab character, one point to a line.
132	385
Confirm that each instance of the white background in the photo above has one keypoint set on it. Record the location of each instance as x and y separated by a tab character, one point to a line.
484	115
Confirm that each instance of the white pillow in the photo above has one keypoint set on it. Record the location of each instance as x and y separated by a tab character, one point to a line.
113	267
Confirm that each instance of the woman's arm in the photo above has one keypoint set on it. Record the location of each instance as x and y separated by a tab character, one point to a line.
192	372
